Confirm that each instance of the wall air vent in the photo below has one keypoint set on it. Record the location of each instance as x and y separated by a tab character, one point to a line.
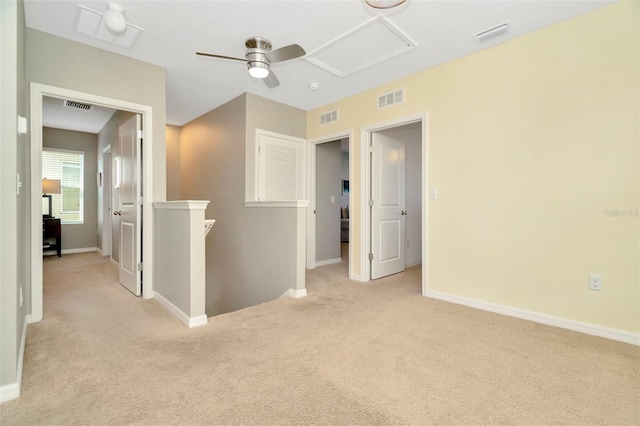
390	99
493	32
329	117
78	105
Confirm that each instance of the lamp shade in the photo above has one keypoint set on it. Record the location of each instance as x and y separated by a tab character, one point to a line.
51	186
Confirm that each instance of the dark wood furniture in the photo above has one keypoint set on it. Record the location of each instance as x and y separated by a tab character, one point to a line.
51	235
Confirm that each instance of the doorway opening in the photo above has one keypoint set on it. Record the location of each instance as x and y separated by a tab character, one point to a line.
38	93
394	234
329	233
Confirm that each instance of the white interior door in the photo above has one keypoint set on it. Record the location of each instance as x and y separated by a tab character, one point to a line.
129	203
387	211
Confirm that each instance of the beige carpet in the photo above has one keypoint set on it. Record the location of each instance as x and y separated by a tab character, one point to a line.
349	353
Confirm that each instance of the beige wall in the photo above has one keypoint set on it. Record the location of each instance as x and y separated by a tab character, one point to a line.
63	63
250	252
531	143
173	163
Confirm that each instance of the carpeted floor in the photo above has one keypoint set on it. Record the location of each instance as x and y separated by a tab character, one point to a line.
349	353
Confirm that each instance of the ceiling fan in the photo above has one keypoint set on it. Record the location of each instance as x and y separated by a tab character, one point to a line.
259	58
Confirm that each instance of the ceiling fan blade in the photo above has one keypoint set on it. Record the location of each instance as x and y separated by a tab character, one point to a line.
271	80
285	53
221	56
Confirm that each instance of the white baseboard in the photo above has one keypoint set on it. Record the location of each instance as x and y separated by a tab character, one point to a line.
99	250
409	265
9	392
115	263
79	250
184	318
355	277
328	262
12	391
581	327
297	294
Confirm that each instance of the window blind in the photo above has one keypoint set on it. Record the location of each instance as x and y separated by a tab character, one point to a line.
68	167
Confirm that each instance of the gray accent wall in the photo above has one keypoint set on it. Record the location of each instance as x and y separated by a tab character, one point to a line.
328	185
84	235
250	252
15	276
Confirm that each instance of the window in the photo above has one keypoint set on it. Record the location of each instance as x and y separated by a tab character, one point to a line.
68	167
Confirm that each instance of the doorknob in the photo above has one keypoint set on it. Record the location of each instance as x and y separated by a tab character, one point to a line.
117	213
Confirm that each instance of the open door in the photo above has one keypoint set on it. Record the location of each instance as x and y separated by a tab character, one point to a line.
387	210
128	209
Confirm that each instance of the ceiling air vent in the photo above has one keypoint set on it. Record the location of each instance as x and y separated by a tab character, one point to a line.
78	105
391	98
493	32
329	117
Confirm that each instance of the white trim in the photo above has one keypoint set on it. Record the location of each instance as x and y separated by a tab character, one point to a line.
417	262
198	321
9	392
12	390
78	250
328	262
181	205
311	191
116	264
579	326
297	203
294	294
37	92
365	190
184	318
99	251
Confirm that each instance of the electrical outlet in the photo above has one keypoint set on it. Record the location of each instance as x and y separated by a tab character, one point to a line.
595	282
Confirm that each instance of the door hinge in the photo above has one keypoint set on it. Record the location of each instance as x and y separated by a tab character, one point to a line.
314	212
140	266
370	148
140	134
370	256
371	202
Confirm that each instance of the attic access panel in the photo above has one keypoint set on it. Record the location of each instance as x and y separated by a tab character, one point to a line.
373	42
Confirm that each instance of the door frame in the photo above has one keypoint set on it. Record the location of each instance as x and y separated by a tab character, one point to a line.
365	181
311	190
38	91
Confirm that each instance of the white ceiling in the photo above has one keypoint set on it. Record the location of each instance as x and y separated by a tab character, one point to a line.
174	30
55	114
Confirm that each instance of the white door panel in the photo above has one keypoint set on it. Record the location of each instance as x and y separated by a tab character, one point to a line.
387	212
129	204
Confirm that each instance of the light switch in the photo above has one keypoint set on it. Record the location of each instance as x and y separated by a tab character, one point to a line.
333	199
433	194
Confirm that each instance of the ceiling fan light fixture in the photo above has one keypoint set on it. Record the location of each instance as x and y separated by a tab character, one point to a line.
114	18
384	4
258	69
